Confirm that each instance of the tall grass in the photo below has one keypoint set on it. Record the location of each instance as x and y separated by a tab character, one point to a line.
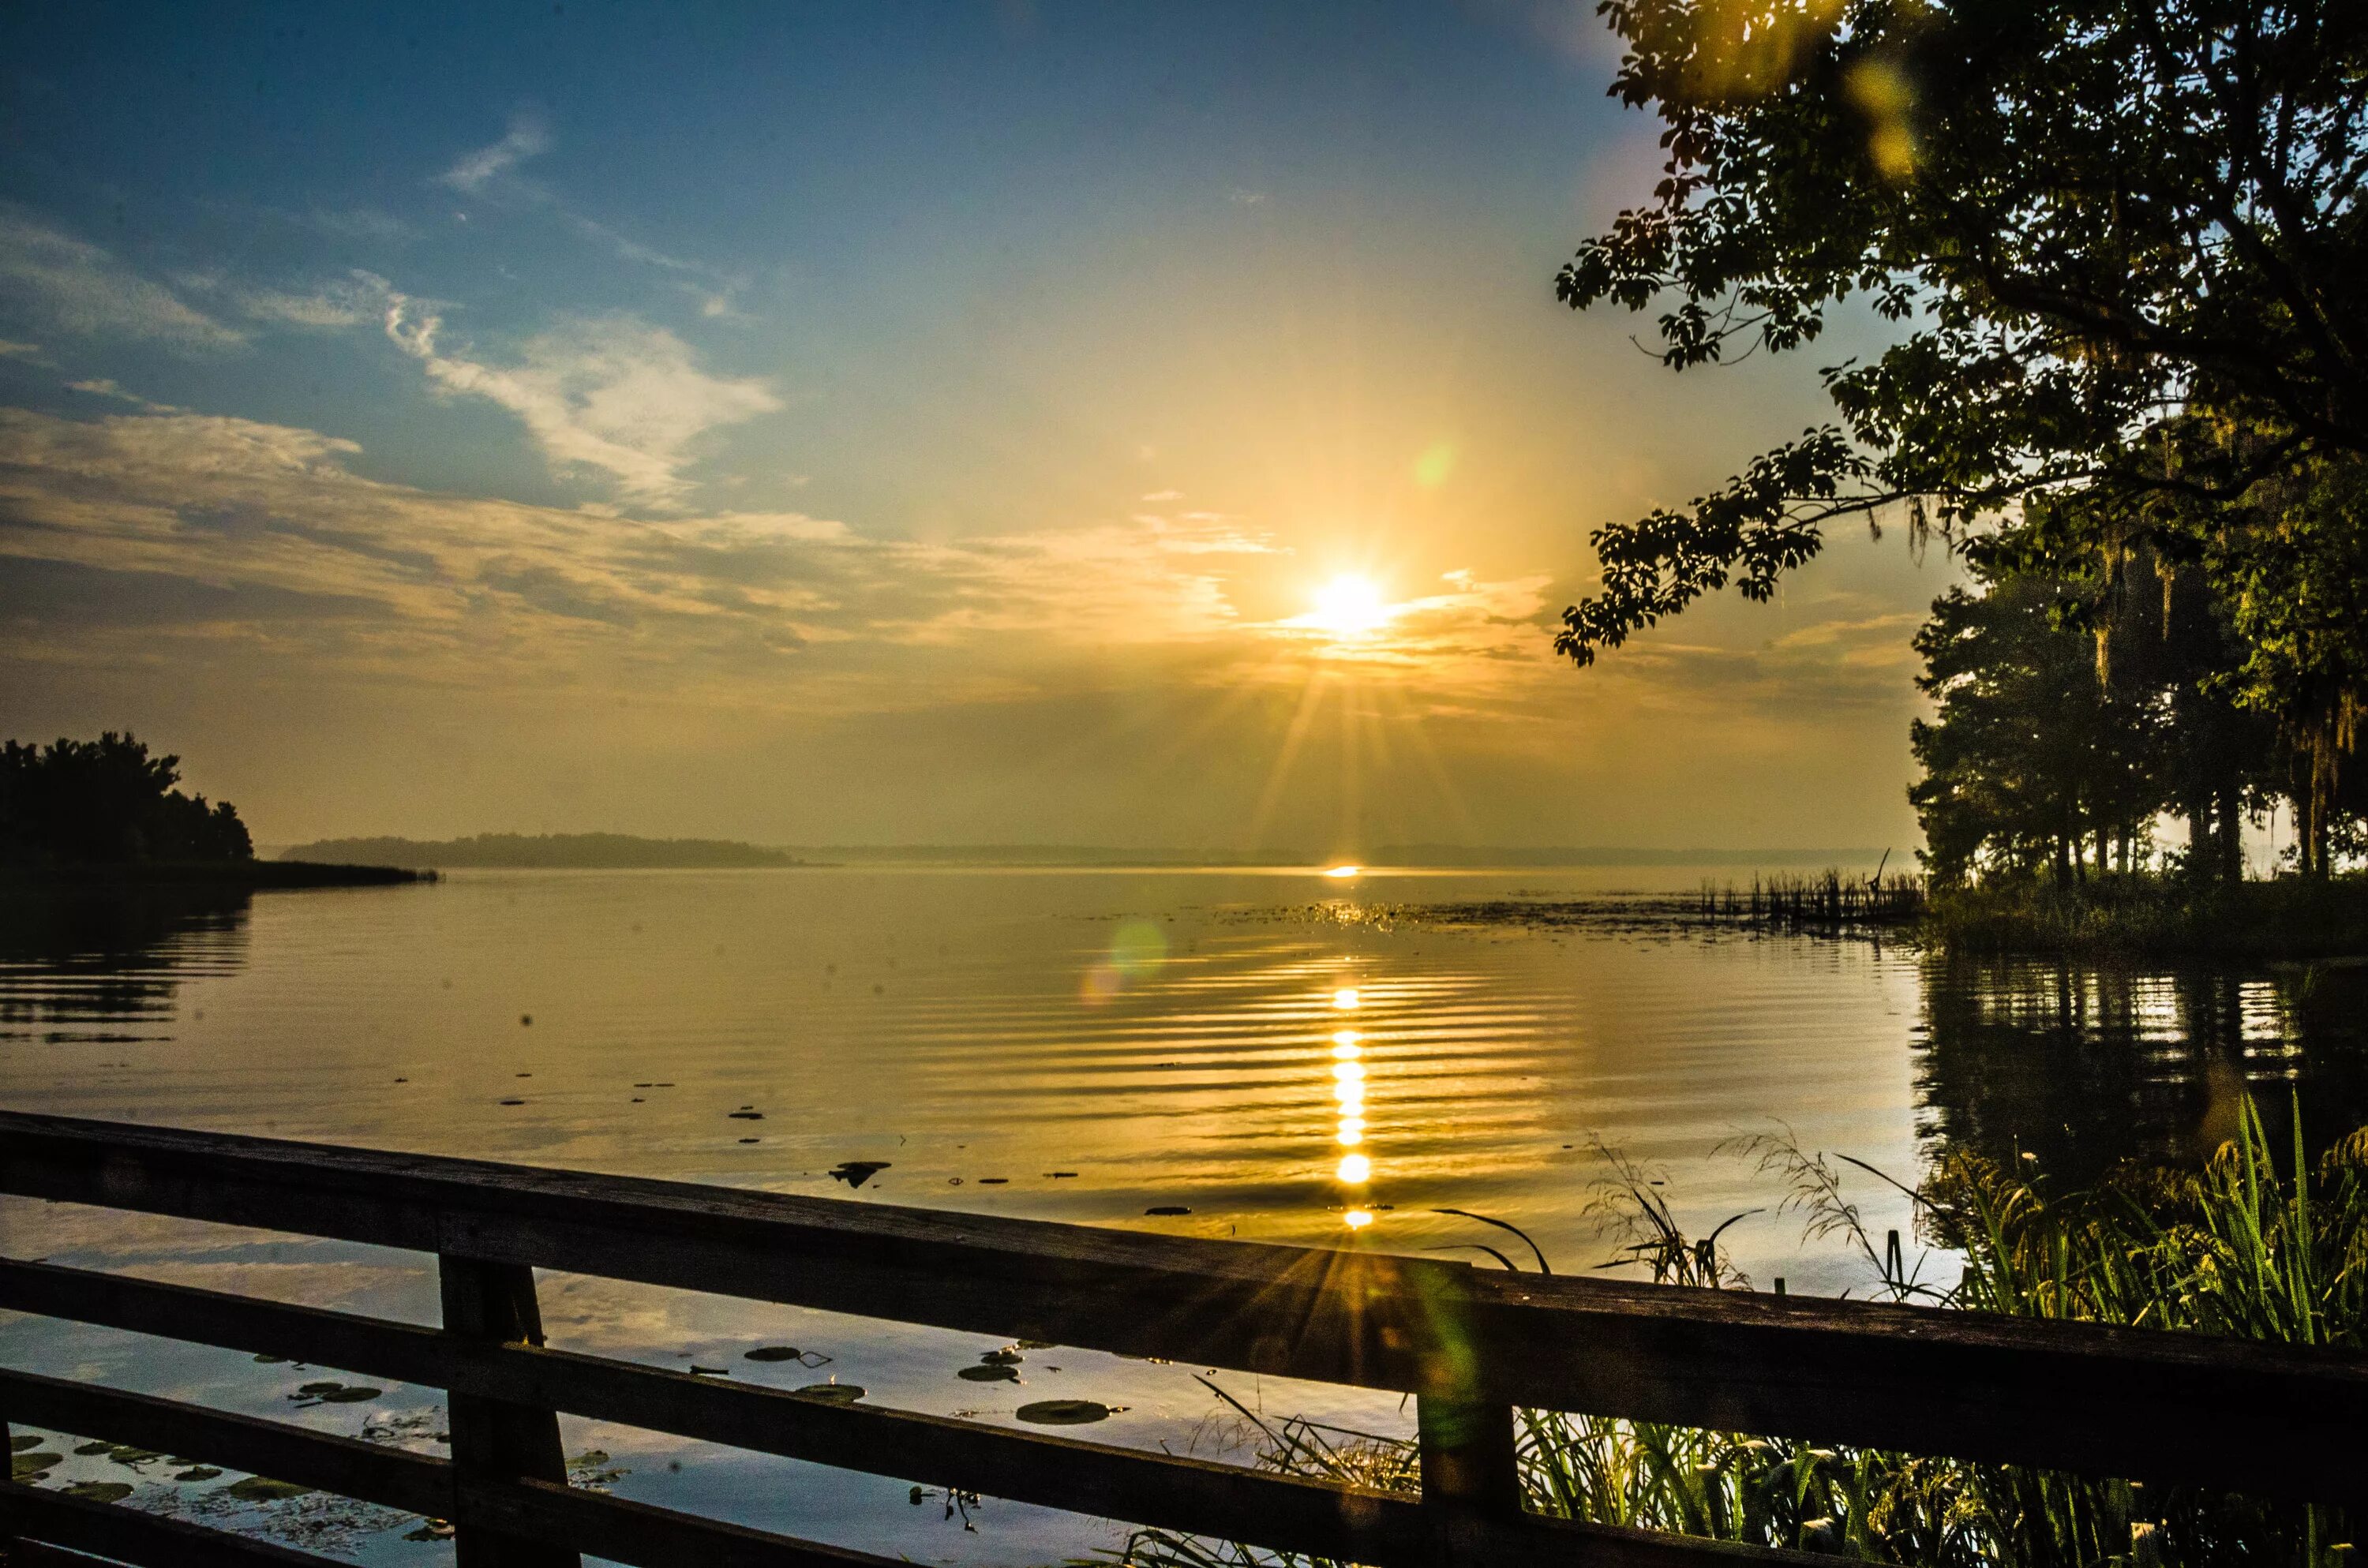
2257	1244
2134	913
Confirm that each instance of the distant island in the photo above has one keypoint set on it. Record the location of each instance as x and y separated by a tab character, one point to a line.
548	851
104	814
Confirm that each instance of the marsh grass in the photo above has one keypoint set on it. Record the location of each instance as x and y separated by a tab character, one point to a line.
2130	914
2259	1244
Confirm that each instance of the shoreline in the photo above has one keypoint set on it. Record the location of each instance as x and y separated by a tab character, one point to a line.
244	876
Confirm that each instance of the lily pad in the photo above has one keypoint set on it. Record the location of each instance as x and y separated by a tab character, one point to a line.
269	1361
773	1353
831	1393
21	1466
744	1116
432	1530
1167	1209
263	1489
18	1445
88	1450
99	1491
1007	1356
125	1453
1066	1411
351	1394
198	1472
989	1374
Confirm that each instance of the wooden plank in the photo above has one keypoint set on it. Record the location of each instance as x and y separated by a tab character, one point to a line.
2081	1397
416	1483
1146	1488
643	1534
500	1440
1470	1476
69	1527
1317	1518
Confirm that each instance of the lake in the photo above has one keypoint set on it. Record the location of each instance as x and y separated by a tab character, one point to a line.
1287	1057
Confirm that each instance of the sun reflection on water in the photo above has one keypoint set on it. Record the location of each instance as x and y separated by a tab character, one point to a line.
1355	1169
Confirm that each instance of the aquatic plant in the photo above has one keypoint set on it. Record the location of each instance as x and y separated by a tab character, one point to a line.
2255	1245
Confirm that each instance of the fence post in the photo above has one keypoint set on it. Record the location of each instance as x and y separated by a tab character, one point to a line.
493	1440
1469	1476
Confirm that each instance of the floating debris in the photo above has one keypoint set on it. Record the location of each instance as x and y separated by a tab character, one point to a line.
514	1102
1067	1412
855	1172
745	1114
752	1140
1059	1176
994	1181
1167	1209
525	1019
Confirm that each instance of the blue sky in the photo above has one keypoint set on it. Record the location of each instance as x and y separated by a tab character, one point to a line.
879	422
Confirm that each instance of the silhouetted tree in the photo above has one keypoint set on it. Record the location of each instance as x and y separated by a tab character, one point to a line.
106	801
2033	761
2088	214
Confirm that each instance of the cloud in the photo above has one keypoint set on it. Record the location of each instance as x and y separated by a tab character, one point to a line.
73	286
102	387
19	350
330	307
255	521
610	393
527	137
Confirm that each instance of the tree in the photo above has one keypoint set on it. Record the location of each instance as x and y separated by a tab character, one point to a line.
106	801
2034	760
2085	216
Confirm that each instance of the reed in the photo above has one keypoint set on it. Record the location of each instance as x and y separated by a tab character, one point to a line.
2257	1243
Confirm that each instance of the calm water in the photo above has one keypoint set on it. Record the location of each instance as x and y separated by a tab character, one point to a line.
1253	1047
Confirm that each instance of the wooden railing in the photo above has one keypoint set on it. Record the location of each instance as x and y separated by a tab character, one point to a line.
1469	1345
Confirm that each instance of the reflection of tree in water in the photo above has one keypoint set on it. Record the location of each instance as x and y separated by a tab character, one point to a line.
2085	1066
80	967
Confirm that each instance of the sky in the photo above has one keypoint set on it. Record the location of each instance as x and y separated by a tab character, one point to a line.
1028	423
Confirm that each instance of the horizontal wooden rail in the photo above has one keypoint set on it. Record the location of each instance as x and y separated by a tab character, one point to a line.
1320	1518
88	1532
1469	1344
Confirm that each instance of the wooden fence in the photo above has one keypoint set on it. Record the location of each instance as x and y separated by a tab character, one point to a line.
1468	1344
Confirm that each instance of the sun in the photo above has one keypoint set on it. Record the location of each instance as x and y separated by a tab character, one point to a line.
1348	606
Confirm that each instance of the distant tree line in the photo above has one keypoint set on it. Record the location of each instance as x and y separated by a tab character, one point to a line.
107	803
2121	244
549	851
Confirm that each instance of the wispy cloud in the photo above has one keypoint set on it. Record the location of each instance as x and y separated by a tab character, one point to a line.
102	387
73	286
529	137
473	591
610	393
